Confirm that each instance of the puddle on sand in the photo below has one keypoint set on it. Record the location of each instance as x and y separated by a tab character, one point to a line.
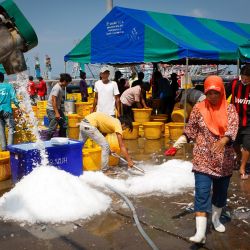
105	224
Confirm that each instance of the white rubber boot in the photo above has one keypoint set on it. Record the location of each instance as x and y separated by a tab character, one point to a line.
218	226
201	226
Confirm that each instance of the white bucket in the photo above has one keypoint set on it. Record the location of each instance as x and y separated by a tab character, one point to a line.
70	106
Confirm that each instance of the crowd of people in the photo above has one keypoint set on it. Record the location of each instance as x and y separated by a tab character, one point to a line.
37	90
221	131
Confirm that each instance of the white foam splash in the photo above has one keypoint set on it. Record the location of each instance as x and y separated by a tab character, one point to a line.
21	87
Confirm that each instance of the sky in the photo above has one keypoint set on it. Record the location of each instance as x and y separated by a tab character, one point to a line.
60	24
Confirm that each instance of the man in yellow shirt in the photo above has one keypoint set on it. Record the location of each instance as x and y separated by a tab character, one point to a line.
96	124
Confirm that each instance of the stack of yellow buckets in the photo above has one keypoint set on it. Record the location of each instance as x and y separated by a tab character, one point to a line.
91	156
5	171
22	128
41	111
73	126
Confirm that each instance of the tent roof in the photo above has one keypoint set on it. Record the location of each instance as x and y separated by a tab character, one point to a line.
135	36
244	52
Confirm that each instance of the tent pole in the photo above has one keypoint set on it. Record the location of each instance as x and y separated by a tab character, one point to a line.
238	67
65	67
109	5
185	92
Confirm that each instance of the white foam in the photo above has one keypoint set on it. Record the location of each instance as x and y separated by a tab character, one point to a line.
51	195
171	177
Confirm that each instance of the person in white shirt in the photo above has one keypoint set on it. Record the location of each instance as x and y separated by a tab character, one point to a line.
106	94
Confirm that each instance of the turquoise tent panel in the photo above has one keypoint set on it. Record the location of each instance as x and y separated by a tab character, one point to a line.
244	52
135	36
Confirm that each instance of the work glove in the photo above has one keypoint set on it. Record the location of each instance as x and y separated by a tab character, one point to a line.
177	145
171	151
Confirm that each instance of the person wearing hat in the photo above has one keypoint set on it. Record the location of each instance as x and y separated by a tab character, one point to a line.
106	94
213	125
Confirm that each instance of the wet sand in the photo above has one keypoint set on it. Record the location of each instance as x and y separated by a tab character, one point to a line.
168	220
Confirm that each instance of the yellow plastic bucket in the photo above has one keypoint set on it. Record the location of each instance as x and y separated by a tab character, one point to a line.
41	113
142	115
127	135
114	147
34	108
91	100
92	158
22	135
5	171
152	130
148	95
159	116
178	114
88	143
167	130
41	109
163	120
175	130
73	120
141	130
77	97
41	104
73	132
152	146
83	108
90	90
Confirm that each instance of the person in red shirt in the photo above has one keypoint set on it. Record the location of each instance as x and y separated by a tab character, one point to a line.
41	89
32	90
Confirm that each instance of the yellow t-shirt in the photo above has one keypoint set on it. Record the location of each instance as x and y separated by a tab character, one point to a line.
105	123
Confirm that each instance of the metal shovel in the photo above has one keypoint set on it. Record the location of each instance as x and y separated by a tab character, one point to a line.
122	159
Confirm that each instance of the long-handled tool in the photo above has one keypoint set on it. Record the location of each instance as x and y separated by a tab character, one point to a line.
122	159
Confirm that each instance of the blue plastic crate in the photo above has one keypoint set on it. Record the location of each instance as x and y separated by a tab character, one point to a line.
46	121
24	157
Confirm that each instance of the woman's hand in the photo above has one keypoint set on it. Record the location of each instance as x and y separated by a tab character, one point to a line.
219	145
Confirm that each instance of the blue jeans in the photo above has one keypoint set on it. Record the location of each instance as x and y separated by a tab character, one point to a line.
203	185
6	119
53	123
89	131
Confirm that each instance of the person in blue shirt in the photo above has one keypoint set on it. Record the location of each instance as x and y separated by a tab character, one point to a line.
7	95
